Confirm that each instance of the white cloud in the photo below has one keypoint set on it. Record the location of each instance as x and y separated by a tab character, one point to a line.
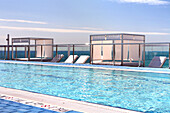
22	21
150	2
86	28
77	31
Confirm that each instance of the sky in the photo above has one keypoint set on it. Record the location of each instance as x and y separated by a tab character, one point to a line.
72	21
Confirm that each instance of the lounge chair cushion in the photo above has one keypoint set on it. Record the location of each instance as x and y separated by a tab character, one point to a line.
82	59
157	61
70	59
57	58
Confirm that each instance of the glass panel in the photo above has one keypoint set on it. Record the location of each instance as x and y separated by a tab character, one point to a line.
152	50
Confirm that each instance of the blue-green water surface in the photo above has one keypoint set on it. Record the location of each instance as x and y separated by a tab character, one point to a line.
146	92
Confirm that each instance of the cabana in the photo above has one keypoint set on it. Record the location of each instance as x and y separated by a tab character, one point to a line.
117	49
43	48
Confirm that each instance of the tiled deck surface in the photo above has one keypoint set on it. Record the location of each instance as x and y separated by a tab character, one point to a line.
7	106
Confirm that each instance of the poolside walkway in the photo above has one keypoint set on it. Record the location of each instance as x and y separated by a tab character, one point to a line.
7	106
73	106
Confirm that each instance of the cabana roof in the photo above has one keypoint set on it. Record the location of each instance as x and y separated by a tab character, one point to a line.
120	36
28	39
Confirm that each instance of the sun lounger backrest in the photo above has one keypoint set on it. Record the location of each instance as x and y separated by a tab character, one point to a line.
82	59
70	59
57	58
157	61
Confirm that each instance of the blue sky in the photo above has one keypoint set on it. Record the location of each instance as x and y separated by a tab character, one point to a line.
72	21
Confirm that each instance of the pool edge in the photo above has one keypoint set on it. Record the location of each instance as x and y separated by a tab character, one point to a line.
76	105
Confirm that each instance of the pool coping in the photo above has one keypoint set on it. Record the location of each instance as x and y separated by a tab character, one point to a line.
66	103
107	67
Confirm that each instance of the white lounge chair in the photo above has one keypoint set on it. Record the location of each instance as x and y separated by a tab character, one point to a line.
82	59
70	59
157	61
57	58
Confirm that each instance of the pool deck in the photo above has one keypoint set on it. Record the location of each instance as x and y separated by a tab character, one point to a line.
70	104
7	106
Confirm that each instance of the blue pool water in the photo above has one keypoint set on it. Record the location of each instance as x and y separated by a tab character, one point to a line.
146	92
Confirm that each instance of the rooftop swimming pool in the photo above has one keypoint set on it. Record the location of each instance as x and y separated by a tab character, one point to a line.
139	91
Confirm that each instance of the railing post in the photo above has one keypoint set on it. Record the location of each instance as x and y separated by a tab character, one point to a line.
8	45
5	52
139	55
41	52
56	50
68	51
73	53
12	51
90	49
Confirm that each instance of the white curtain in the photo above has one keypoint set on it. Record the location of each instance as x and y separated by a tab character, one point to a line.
96	50
107	50
48	49
125	50
117	50
38	48
134	51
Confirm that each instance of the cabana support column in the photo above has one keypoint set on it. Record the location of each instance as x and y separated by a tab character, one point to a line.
52	49
41	52
139	55
29	51
15	52
35	48
92	54
113	54
121	50
90	51
25	51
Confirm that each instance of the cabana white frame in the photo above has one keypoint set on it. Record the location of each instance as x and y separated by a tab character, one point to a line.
27	41
139	40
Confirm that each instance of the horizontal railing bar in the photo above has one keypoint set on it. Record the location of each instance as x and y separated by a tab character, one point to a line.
86	45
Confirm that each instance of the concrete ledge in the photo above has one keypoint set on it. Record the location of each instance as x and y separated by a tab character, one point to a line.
63	102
